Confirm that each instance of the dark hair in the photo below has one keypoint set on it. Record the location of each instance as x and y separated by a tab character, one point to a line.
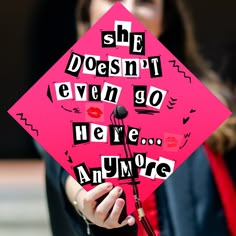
224	138
178	37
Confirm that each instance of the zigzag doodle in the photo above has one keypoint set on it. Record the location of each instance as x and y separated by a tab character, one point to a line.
27	124
187	135
180	71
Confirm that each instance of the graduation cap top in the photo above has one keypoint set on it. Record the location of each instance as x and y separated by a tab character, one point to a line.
119	107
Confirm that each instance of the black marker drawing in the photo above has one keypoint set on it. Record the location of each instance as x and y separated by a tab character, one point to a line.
192	111
75	110
70	160
186	136
172	103
174	99
184	144
69	157
180	71
146	112
49	95
185	120
65	109
27	124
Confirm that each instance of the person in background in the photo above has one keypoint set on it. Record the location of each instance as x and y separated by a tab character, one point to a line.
190	202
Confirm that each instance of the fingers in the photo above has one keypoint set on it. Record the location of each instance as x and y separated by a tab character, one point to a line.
107	212
112	220
130	220
102	210
98	191
88	199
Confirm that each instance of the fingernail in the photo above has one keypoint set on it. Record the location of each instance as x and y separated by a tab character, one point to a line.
120	203
109	186
130	220
119	189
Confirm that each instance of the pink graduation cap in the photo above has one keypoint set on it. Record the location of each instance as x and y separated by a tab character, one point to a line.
119	107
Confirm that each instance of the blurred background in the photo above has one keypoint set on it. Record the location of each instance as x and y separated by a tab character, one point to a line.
31	30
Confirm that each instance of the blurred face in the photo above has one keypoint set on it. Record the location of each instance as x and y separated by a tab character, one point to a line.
148	12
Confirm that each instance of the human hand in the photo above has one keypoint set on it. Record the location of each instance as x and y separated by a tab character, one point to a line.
105	214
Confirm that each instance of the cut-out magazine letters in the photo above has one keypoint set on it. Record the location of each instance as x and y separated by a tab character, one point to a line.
119	107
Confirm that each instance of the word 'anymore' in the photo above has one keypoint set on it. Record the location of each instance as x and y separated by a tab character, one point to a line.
125	168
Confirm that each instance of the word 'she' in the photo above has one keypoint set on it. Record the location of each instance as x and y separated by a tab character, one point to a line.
116	66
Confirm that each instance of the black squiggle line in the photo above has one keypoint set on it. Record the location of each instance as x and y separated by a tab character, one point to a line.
27	124
184	144
146	112
180	71
66	109
187	135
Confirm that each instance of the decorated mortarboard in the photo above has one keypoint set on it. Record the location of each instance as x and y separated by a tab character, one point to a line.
119	107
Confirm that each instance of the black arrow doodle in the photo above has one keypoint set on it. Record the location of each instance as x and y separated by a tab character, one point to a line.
75	110
192	111
172	103
69	157
173	99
